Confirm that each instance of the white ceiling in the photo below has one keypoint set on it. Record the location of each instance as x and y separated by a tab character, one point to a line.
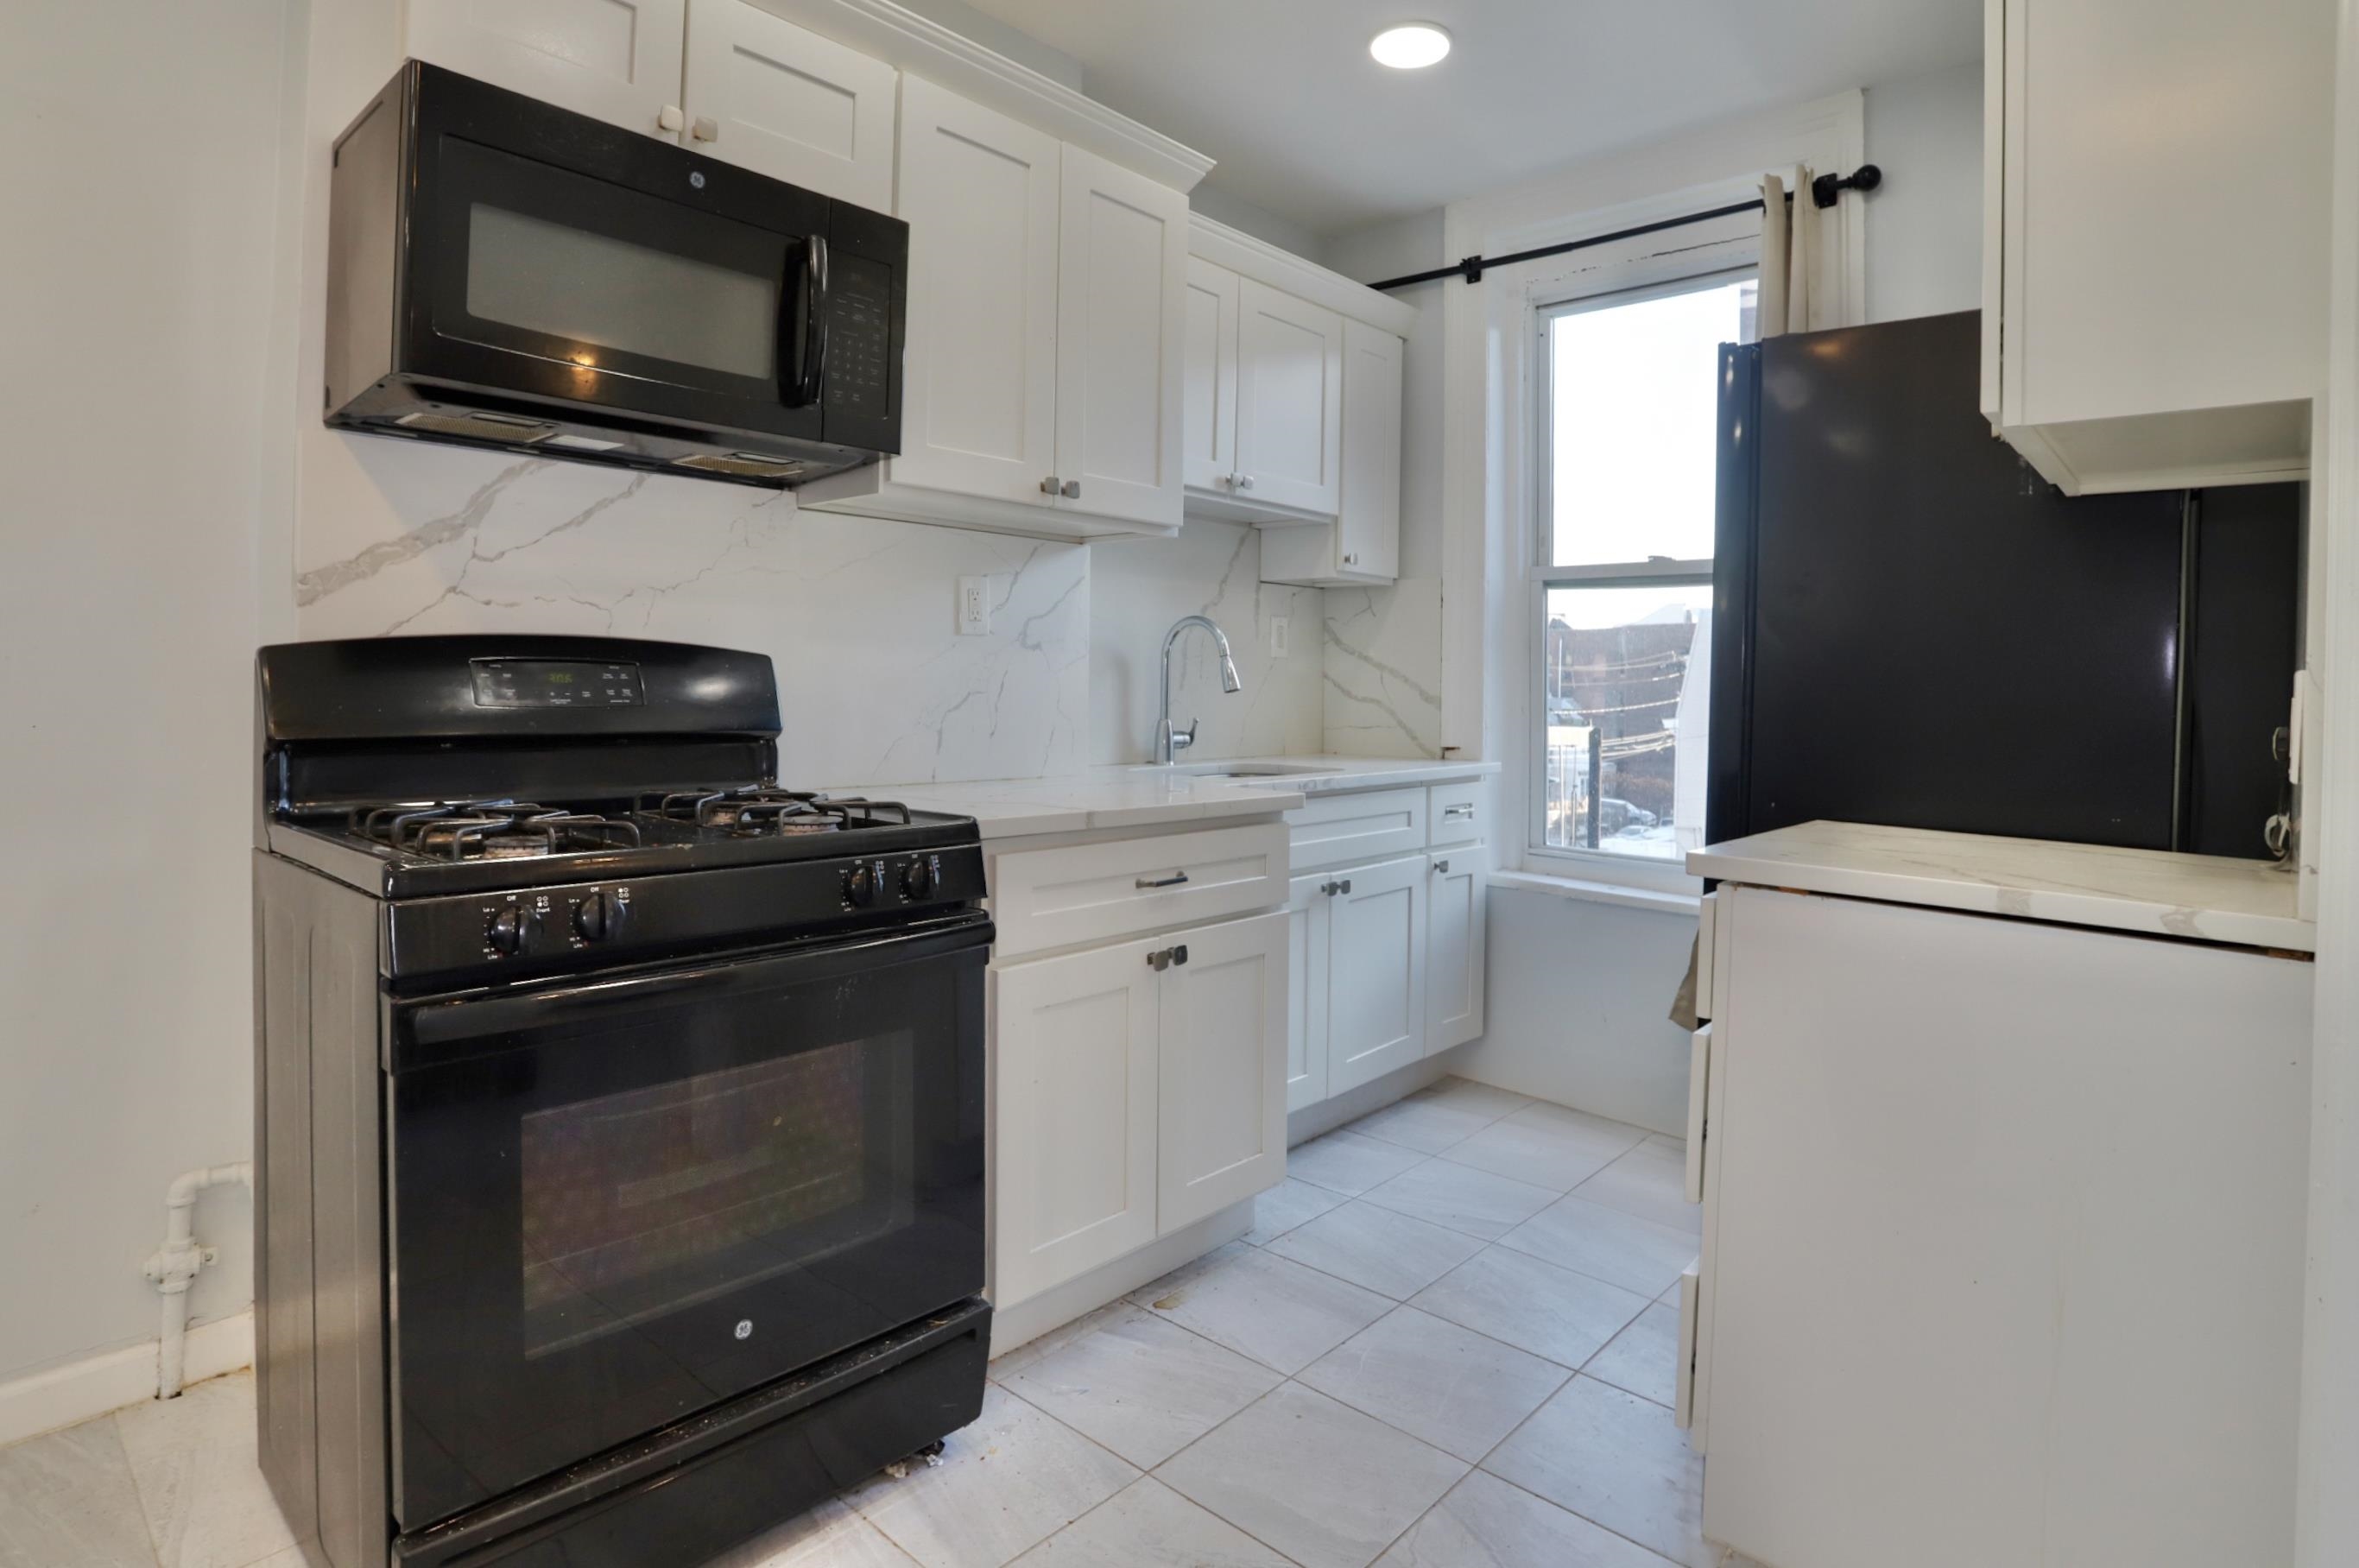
1305	124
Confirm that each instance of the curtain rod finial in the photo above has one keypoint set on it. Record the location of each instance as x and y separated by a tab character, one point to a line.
1827	186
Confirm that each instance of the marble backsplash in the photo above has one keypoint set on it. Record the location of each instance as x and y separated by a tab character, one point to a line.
860	614
875	684
1139	586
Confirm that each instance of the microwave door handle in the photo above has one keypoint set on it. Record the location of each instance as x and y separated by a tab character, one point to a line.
803	390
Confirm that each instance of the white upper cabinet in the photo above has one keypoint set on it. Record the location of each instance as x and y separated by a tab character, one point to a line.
2156	241
1368	530
782	100
1043	371
980	192
1290	401
1208	406
617	61
1121	303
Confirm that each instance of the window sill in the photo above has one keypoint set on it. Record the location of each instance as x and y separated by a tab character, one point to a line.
1614	893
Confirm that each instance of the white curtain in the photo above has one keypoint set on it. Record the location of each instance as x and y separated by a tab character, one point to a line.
1790	241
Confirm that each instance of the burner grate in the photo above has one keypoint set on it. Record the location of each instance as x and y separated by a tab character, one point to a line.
760	811
491	830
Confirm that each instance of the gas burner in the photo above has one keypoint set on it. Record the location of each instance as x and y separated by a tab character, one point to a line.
759	812
491	830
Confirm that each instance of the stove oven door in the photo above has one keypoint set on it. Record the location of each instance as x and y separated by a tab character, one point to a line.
616	1200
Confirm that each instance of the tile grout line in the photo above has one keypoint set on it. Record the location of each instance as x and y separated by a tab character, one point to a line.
1484	1465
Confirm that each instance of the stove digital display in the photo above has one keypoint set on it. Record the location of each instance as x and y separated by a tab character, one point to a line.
556	683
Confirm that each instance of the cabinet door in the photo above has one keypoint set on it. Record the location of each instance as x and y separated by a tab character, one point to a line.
1453	948
1305	991
1290	400
979	417
1222	1069
1369	524
1208	406
1073	1086
1376	971
1123	261
787	103
617	61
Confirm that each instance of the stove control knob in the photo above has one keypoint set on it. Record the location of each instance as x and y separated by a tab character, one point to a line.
506	931
597	917
923	879
862	883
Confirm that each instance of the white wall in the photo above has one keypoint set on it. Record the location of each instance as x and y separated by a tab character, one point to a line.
137	171
1925	225
1139	586
1213	200
1578	1007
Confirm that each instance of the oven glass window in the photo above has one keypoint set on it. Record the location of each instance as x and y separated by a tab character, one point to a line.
604	292
639	1203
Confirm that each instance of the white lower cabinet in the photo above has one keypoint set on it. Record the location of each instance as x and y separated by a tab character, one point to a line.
1453	947
1137	1088
1306	1008
1376	971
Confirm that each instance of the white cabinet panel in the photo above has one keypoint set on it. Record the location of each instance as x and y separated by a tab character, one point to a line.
1368	529
1456	906
1290	400
784	102
1074	1097
1209	404
2155	302
1372	824
1121	304
1100	892
1376	971
1223	1074
617	61
980	192
1306	1009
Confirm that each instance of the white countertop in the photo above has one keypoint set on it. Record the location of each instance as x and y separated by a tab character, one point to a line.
1137	796
2209	897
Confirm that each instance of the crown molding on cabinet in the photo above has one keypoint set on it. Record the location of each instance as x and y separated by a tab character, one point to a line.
904	40
1241	252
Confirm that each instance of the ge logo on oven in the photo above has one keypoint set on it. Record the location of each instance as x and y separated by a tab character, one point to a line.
745	1328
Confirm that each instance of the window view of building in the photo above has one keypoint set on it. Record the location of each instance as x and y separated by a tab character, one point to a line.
1626	640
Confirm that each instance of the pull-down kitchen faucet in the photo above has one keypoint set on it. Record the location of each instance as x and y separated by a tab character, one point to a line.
1169	743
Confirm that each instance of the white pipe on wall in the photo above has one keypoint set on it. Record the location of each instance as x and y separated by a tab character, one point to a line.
176	1264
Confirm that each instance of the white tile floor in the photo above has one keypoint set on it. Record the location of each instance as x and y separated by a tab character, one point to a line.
1443	1345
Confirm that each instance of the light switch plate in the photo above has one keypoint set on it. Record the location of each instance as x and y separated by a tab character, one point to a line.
1277	637
974	606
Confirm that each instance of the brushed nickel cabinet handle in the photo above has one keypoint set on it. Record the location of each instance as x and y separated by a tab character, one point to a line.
705	129
1173	880
1442	869
1048	485
1071	490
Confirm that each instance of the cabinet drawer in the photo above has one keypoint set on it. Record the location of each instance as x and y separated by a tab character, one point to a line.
1099	892
1454	812
1378	825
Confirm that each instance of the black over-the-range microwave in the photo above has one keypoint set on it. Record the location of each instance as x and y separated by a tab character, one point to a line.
504	273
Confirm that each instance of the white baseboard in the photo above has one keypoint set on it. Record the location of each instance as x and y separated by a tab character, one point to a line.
65	1396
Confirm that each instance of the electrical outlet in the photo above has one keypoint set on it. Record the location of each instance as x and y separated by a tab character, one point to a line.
974	606
1278	636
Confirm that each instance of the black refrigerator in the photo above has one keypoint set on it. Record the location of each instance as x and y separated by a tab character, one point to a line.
1912	628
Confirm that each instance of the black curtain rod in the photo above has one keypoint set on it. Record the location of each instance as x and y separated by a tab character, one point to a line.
1823	192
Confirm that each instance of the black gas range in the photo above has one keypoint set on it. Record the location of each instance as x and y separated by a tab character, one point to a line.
619	1112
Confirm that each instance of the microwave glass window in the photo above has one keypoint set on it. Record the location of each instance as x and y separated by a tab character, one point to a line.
596	290
640	1204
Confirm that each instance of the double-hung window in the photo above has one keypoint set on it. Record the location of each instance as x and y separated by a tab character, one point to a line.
1627	404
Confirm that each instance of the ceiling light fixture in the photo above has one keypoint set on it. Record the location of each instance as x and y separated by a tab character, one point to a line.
1411	46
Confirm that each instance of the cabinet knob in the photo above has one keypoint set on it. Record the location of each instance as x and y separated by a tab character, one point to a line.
1442	869
706	129
1244	480
1050	486
670	118
1350	561
1071	490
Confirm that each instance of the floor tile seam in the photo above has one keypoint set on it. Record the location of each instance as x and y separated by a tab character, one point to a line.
1150	1475
1484	1465
113	1420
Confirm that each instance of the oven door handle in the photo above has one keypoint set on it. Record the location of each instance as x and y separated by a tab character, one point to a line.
802	383
451	1028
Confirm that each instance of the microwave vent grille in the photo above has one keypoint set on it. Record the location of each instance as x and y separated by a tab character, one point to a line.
743	464
479	427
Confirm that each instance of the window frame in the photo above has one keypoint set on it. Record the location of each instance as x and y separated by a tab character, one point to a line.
1705	267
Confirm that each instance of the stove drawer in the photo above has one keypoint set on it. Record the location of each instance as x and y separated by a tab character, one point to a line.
1080	894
